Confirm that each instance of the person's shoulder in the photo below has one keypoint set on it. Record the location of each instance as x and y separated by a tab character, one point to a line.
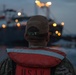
16	49
65	68
7	67
56	50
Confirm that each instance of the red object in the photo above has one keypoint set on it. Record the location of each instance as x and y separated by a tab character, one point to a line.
32	61
32	71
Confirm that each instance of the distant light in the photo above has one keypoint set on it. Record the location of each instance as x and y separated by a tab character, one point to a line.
62	23
54	24
16	20
59	34
18	24
38	3
3	26
56	32
19	14
48	4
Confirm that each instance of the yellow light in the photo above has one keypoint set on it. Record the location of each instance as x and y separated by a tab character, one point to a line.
56	32
54	24
3	26
18	24
59	34
16	20
62	23
38	3
19	13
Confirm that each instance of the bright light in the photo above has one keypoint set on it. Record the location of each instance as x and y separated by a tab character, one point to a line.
38	3
59	34
16	20
54	24
62	23
19	13
18	24
48	4
3	26
56	32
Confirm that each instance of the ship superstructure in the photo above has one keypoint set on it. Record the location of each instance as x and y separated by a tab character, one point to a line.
13	27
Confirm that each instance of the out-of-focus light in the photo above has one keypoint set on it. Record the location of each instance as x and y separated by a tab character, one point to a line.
3	26
18	24
42	4
54	24
62	23
59	34
38	3
56	32
48	4
16	20
19	14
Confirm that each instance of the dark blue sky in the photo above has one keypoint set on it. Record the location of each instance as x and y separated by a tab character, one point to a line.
61	10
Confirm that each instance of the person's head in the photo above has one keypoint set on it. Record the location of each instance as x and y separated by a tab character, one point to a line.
36	31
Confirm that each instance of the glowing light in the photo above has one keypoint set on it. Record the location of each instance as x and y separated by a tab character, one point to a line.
48	4
59	34
40	4
62	23
19	13
16	20
56	32
37	1
54	24
18	24
3	26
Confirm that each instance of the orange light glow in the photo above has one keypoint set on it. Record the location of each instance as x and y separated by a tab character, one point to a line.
41	4
16	20
18	24
38	3
56	32
3	26
59	34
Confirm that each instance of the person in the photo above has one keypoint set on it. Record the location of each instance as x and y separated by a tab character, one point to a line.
37	59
